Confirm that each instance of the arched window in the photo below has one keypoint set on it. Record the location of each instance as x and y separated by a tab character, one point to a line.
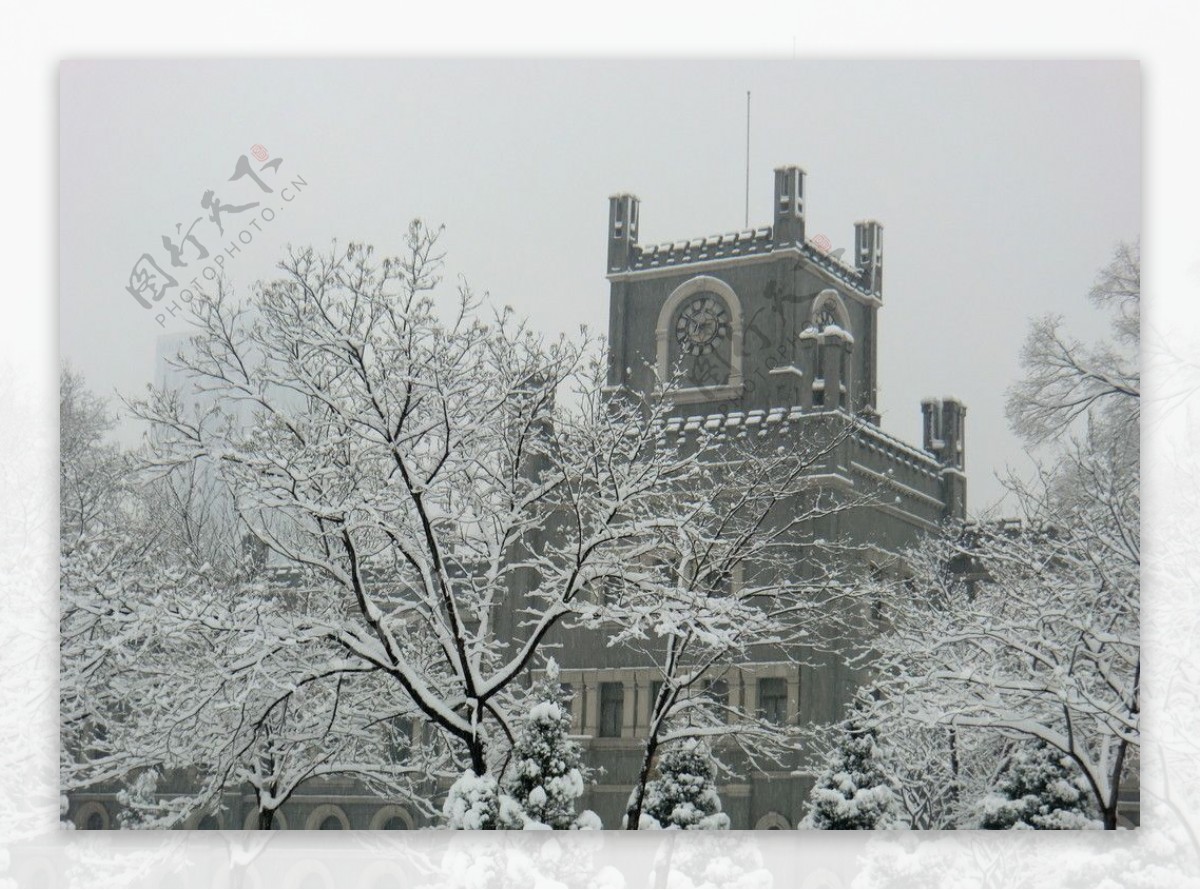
92	816
829	310
392	818
700	333
772	822
828	343
327	817
279	821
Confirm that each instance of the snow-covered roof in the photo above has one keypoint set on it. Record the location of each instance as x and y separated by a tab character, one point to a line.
780	420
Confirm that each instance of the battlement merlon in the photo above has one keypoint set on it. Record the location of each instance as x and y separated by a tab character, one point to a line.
787	233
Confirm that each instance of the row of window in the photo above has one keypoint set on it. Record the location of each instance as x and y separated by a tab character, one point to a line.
667	572
772	702
94	816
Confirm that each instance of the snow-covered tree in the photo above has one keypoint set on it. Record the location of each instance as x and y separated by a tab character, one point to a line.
459	484
1067	382
92	471
480	803
1035	639
546	772
938	771
743	571
852	792
684	794
329	726
1029	630
415	460
209	696
1040	789
98	547
179	673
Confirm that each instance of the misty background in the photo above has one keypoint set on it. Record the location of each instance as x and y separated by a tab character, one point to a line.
1002	187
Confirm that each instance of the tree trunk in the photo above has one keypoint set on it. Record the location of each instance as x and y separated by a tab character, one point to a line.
954	787
1118	767
266	820
633	814
478	756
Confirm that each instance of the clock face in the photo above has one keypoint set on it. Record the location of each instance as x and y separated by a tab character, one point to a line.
702	325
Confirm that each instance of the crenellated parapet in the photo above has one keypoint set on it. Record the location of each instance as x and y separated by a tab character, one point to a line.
786	233
911	480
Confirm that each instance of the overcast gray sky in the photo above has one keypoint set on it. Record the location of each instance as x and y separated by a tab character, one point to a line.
1002	188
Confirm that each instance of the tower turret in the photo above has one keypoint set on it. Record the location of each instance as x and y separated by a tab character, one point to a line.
868	254
622	230
945	438
789	205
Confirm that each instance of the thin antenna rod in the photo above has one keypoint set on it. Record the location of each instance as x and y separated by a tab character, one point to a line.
747	224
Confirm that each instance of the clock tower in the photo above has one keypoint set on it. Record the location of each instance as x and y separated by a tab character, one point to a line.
747	320
765	334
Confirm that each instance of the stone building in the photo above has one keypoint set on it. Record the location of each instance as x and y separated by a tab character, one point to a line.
770	331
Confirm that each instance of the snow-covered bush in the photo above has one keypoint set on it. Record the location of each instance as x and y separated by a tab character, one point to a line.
1039	790
587	821
852	793
685	793
473	803
476	803
546	776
